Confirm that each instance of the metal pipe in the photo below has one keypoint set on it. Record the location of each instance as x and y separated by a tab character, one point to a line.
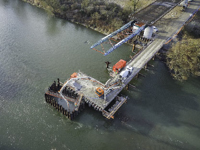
114	33
125	40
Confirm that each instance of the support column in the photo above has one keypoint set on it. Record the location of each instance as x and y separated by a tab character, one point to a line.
133	48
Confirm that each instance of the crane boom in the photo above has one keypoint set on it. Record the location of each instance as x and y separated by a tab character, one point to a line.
125	40
113	34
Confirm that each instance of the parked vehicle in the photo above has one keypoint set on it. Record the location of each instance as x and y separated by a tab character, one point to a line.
126	73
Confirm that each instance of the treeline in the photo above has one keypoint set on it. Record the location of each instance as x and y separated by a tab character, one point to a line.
183	59
98	14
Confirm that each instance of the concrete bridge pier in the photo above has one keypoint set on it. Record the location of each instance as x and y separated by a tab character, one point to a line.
145	67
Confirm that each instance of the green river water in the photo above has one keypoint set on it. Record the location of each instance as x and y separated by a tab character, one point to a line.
36	49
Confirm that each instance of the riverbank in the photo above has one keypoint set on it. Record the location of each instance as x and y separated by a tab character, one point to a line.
101	16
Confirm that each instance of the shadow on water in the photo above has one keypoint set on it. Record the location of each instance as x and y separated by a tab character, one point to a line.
12	3
166	99
64	22
51	26
79	27
20	10
136	126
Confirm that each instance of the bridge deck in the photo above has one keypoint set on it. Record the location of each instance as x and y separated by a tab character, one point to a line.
154	11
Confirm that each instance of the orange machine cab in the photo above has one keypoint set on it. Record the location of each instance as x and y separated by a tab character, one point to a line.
119	65
99	91
74	75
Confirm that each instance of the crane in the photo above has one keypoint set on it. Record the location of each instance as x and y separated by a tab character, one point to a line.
129	24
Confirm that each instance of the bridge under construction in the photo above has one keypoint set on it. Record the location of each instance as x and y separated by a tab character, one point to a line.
80	89
146	17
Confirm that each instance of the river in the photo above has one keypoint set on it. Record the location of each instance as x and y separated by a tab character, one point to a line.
36	49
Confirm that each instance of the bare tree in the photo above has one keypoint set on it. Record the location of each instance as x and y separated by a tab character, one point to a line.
134	3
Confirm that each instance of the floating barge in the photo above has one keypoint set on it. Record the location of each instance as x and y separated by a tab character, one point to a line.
71	97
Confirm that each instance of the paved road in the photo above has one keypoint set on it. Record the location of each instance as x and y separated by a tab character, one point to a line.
154	11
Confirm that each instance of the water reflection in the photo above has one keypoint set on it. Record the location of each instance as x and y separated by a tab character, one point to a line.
52	27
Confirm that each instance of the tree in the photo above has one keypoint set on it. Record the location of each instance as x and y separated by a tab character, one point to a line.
116	23
183	59
85	4
95	17
135	4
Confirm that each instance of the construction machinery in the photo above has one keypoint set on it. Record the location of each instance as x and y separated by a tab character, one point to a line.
99	91
119	66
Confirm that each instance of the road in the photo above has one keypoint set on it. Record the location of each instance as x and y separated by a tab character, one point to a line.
154	11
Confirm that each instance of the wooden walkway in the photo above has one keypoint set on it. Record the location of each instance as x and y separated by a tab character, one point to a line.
109	115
